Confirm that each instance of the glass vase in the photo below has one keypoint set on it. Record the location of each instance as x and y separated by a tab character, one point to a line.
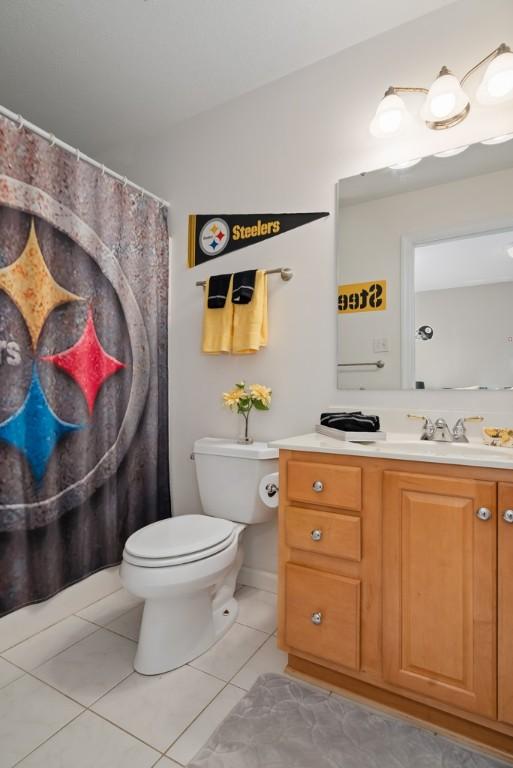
244	438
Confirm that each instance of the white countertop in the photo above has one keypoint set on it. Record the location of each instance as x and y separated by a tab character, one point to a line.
405	447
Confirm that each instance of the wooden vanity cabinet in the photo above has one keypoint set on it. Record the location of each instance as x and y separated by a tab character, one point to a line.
439	588
396	583
505	604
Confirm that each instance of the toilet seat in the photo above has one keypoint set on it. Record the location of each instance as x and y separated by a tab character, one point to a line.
179	540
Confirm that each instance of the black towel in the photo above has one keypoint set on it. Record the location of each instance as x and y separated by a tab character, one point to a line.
243	286
217	291
354	421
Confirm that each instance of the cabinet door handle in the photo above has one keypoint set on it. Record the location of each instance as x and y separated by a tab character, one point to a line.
318	486
317	617
508	516
483	513
316	535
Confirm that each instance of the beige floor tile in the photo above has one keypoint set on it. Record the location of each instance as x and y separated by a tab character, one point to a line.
30	712
198	733
128	624
8	673
157	709
91	667
267	659
257	609
230	653
22	624
36	650
91	742
165	762
105	611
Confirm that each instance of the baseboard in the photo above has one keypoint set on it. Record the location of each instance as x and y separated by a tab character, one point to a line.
254	577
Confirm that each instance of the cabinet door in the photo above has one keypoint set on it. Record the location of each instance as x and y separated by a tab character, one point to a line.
439	589
505	607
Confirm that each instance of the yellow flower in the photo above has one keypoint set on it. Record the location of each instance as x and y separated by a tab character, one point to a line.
261	393
232	398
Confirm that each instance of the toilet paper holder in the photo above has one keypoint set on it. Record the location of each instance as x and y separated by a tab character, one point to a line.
271	489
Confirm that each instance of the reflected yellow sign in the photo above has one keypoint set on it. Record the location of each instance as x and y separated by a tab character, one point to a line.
362	297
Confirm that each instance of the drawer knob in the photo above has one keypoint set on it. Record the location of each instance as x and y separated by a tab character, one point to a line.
483	513
318	486
316	535
508	516
317	617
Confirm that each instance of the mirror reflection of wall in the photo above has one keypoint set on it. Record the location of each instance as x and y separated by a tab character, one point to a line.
436	236
464	312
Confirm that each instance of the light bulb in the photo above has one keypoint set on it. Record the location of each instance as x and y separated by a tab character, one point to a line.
445	100
452	152
497	83
405	164
390	118
498	139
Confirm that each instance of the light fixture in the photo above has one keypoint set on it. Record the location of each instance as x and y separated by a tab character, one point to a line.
498	139
452	152
446	103
405	164
497	83
391	116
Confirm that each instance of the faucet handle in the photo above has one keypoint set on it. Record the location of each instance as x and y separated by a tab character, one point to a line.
459	432
428	428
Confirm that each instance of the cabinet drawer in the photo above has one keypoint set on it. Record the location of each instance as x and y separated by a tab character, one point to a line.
322	615
325	533
326	484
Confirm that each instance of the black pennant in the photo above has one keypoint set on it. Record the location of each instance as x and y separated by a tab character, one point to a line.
212	235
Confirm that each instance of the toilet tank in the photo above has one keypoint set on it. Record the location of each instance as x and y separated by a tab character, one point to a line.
228	476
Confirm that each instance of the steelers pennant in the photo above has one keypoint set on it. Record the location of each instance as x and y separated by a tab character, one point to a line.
212	235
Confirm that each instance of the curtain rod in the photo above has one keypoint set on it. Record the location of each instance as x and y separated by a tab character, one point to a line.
22	123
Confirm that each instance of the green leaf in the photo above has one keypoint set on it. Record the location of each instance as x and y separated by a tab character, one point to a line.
260	406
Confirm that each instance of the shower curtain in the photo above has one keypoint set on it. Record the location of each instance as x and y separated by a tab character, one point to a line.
83	367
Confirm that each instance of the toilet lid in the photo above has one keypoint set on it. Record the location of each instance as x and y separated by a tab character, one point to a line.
179	537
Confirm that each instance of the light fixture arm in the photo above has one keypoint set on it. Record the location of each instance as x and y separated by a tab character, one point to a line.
502	48
393	89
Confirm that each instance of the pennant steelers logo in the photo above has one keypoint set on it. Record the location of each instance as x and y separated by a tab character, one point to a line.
214	236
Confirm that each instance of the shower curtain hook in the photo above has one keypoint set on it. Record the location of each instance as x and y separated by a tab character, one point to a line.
125	181
21	122
103	170
77	153
52	139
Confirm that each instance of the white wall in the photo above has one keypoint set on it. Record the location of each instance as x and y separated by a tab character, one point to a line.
473	339
282	148
374	253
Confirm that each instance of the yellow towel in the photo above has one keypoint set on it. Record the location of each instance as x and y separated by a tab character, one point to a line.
218	325
250	320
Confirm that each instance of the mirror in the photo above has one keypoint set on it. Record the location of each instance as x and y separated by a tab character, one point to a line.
425	273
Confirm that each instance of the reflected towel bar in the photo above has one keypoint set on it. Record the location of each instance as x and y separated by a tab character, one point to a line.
377	363
285	273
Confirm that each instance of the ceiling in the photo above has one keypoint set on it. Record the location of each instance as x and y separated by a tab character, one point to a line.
99	72
464	262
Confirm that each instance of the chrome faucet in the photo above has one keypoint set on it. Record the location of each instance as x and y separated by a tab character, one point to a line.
440	432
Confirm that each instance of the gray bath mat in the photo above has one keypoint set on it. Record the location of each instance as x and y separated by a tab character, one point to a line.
281	723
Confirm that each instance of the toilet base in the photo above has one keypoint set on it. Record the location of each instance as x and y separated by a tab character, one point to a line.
168	626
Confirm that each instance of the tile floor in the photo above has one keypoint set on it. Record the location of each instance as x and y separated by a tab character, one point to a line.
69	695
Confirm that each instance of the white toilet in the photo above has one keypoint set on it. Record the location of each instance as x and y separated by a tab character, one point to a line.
185	567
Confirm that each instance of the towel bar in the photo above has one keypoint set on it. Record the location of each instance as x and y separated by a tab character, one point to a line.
377	363
285	273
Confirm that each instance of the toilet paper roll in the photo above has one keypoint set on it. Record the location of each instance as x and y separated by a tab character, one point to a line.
268	490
